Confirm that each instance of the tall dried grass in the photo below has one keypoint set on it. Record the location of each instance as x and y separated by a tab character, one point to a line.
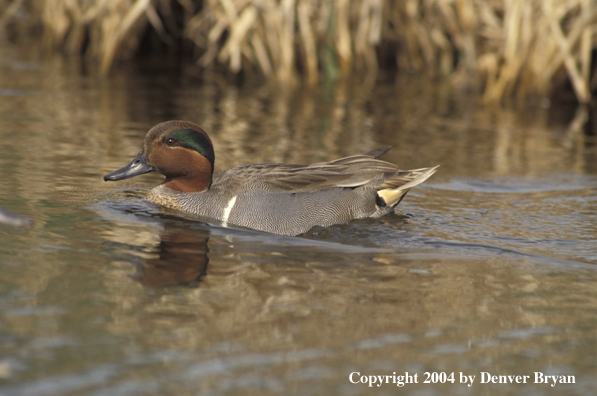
508	46
503	47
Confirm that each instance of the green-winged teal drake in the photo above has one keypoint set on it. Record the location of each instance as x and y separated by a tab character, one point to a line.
276	198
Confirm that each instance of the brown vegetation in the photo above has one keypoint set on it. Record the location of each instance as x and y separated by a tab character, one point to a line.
502	47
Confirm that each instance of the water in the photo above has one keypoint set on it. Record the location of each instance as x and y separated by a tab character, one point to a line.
488	267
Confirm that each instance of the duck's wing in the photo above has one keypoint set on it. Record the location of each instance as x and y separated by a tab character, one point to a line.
349	172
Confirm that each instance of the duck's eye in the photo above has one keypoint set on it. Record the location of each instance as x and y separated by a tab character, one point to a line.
170	141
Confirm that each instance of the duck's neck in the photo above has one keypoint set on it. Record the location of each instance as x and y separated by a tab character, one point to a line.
188	185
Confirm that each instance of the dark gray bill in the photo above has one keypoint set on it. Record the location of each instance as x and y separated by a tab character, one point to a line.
137	167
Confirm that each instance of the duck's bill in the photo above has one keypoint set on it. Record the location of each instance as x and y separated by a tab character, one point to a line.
138	166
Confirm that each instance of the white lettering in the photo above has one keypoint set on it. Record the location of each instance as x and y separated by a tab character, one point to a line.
400	381
541	378
571	379
464	379
380	380
538	377
372	380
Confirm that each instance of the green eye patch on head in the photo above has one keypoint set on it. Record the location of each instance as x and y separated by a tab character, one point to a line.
192	140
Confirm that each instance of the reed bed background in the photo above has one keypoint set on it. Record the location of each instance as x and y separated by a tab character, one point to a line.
502	48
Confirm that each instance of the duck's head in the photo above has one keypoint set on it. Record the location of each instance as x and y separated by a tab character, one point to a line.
179	150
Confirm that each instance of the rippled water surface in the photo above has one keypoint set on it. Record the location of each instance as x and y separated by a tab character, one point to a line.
488	267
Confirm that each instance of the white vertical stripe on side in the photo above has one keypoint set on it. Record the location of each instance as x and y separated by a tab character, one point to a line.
228	209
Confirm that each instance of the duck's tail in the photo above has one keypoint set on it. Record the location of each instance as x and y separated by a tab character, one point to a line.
393	190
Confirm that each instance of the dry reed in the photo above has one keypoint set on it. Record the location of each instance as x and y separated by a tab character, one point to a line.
502	47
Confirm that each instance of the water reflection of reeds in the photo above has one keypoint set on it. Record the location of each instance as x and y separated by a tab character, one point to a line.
504	48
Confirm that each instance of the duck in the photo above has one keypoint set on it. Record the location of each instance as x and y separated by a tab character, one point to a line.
283	199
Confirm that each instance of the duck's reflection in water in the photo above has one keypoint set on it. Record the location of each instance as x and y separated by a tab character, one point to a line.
182	258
